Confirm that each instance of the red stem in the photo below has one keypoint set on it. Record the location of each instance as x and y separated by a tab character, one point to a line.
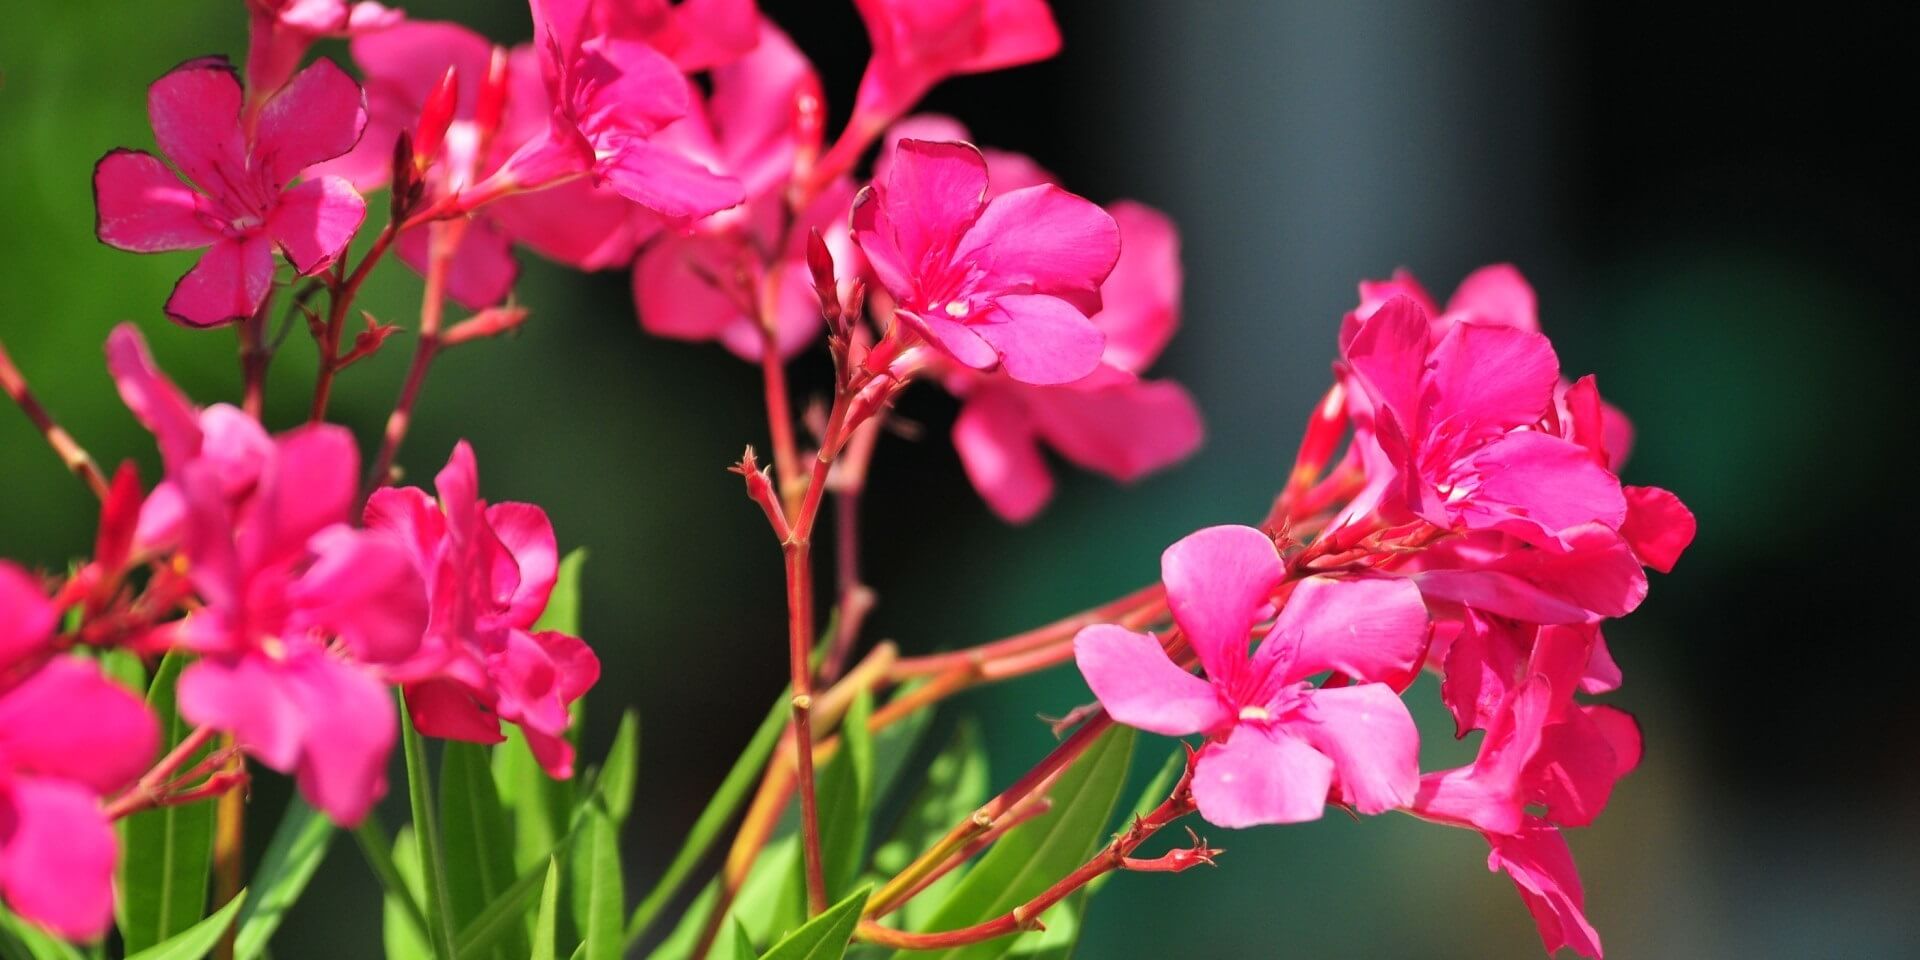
340	298
445	239
63	444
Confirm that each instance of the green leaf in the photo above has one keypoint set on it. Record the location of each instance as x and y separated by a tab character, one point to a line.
195	941
606	899
1152	796
167	851
426	832
294	853
20	940
403	928
546	926
734	943
845	800
509	909
479	844
1035	854
537	804
713	820
956	785
123	667
826	936
563	605
621	771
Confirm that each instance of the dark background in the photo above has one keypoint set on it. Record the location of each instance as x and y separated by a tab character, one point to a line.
1712	208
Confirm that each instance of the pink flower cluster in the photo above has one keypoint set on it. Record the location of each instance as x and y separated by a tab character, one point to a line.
1484	535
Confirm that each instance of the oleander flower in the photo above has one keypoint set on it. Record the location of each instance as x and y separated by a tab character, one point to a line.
280	31
231	195
918	43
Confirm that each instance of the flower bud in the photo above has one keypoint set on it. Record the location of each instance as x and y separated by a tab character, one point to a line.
436	115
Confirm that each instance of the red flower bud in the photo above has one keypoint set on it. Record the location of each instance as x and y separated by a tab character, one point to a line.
436	115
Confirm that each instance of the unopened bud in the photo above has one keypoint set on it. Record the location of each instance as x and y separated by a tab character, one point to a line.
492	106
491	322
436	115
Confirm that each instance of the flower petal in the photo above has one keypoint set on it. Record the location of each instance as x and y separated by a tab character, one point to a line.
1542	869
27	617
154	400
675	287
1496	295
934	191
528	536
1491	375
1041	340
1218	581
139	205
997	446
1370	629
668	182
1389	353
57	854
1045	240
66	720
1259	776
1375	747
317	116
1531	480
228	284
315	221
1133	678
483	267
1141	297
195	111
1658	526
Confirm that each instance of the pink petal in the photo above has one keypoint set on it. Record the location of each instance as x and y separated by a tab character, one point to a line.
311	484
154	400
448	710
27	617
1371	738
576	223
797	319
1658	526
1389	352
139	205
317	116
528	535
1046	240
66	720
961	341
1489	794
755	108
1041	340
483	268
1125	431
1218	581
1133	678
195	111
1542	869
933	192
229	283
1141	296
364	588
621	88
1370	629
997	447
1544	483
1575	770
1259	776
315	221
1495	376
668	182
1496	295
1014	32
57	854
675	287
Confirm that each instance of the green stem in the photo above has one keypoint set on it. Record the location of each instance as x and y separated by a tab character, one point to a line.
426	828
379	853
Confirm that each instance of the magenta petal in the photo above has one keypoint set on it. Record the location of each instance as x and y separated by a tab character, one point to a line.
577	223
933	191
528	535
1658	526
27	617
1014	32
1125	431
1141	297
961	341
1046	240
1218	580
1042	340
483	268
57	854
363	587
668	182
317	116
1001	456
1546	482
311	485
315	221
1542	869
1141	687
448	710
675	286
1498	295
1368	732
154	400
66	720
1370	629
195	111
139	205
344	770
1498	376
1389	352
1258	776
229	283
246	697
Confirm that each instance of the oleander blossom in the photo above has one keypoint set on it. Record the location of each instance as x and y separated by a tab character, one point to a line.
231	194
489	570
1277	745
1006	283
918	43
280	31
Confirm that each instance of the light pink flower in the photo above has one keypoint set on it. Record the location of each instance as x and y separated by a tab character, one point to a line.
280	31
611	95
235	200
1275	744
489	570
68	737
1008	282
918	43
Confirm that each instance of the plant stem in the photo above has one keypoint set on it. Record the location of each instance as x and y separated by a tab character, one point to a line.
63	444
426	826
229	849
1064	628
340	298
443	241
254	357
146	791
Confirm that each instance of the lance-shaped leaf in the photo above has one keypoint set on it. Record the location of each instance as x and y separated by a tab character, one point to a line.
166	852
826	936
294	853
479	844
546	925
956	785
605	926
198	940
845	800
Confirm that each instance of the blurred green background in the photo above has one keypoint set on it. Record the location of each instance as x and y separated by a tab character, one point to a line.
1710	228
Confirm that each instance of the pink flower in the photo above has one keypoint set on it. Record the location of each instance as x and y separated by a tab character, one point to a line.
299	613
918	43
1008	282
1455	418
68	736
712	282
1541	866
489	571
234	199
280	31
611	95
27	617
695	34
1275	744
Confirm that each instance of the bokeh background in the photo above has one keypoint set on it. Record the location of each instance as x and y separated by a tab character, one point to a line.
1717	224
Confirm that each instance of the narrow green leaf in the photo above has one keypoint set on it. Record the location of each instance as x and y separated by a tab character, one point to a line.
826	936
733	943
846	799
195	941
956	785
123	667
620	774
426	832
20	940
546	926
294	853
510	908
537	804
479	844
563	605
168	851
1040	851
719	810
606	899
403	928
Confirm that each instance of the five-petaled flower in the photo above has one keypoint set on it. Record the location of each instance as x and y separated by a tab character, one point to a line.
235	200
